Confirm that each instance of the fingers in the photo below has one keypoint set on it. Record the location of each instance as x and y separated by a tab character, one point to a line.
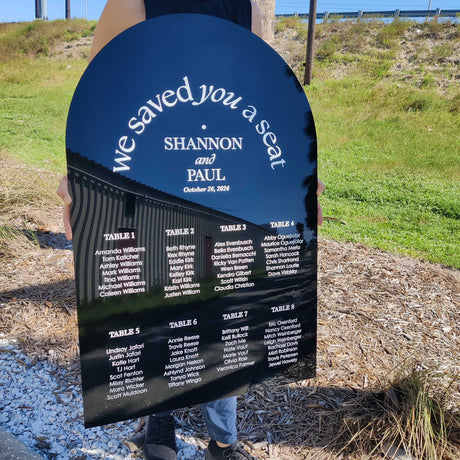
63	192
321	187
319	190
320	214
66	219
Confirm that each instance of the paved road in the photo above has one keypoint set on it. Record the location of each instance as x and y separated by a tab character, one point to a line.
13	449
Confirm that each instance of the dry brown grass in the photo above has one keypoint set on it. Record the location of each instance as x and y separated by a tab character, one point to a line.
28	203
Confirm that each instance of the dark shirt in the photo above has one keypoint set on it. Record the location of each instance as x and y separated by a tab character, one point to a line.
237	11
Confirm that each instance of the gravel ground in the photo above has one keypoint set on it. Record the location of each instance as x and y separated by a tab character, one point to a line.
42	405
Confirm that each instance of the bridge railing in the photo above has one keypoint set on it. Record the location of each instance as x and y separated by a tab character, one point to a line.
381	14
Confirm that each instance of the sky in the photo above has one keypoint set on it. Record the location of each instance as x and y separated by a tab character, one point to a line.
24	10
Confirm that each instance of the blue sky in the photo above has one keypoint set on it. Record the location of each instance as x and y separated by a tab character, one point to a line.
24	10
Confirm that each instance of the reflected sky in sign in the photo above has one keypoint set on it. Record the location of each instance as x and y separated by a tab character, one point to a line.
209	113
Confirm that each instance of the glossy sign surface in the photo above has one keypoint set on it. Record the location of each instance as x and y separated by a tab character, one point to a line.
191	155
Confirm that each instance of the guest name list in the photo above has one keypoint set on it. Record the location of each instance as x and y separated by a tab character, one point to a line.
234	265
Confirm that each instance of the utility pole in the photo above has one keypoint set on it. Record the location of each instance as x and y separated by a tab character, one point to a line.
310	43
67	9
41	9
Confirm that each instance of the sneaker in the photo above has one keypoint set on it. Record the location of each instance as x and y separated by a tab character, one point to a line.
160	438
234	451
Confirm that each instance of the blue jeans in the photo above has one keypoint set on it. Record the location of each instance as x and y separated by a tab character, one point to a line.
220	419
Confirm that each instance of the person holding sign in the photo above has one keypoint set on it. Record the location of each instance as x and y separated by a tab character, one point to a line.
119	15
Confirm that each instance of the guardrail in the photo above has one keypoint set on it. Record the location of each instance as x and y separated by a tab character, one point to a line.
379	14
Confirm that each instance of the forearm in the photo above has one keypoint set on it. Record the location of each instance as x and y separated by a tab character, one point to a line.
118	15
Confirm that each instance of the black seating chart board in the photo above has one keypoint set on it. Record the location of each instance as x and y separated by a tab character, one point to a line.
191	154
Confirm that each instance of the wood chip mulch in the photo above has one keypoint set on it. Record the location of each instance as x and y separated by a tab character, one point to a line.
379	314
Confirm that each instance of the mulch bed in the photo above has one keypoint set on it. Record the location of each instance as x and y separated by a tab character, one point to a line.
379	316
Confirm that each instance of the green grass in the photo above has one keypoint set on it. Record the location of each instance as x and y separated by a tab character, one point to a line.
388	151
390	158
36	90
34	100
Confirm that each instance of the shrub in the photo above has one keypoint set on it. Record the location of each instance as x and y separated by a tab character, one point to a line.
328	49
412	418
442	51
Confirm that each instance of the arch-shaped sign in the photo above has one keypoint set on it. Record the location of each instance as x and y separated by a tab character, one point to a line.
191	155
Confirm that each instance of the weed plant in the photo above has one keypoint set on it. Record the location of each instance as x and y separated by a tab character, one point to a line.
413	418
14	241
